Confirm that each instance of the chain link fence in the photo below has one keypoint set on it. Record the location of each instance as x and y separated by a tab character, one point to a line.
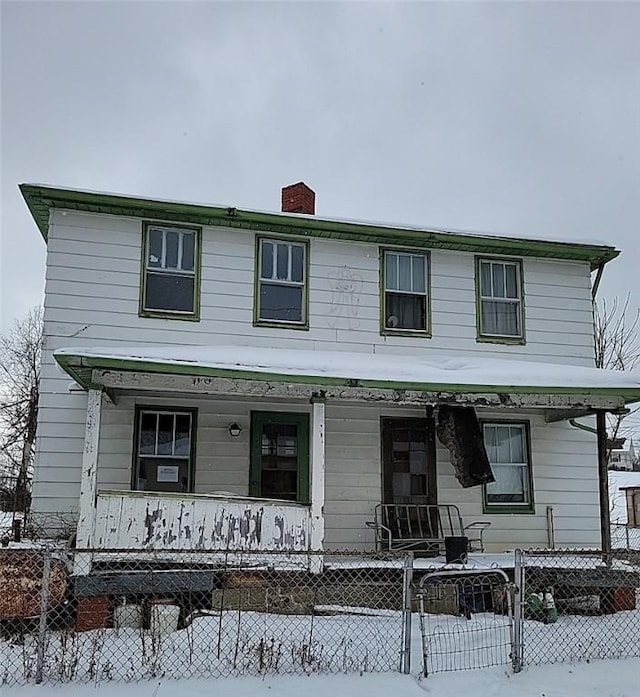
579	606
87	615
94	616
540	607
625	537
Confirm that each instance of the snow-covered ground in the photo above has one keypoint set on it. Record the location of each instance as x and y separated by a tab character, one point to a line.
266	644
595	679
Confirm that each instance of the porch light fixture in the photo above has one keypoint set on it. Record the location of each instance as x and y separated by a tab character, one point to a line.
235	429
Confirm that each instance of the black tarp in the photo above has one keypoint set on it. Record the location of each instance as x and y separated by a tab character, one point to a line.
459	430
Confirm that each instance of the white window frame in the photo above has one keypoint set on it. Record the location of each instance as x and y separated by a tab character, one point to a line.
517	264
275	281
424	256
526	506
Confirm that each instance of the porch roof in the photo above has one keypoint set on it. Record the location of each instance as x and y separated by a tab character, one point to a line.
432	375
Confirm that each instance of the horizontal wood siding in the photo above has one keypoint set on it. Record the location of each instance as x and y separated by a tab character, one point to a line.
92	294
564	466
93	267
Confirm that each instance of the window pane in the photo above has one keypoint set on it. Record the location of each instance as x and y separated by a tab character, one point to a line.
183	441
405	311
148	433
188	250
154	258
266	263
170	292
279	463
171	258
297	263
418	274
500	318
509	486
516	444
497	274
282	262
511	278
491	442
485	278
404	272
165	434
506	449
502	452
391	271
163	474
282	303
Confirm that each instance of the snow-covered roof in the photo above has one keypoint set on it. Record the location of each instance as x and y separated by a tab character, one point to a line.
428	372
41	198
332	219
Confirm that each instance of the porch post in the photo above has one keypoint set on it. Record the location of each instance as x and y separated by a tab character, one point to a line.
317	481
88	481
603	477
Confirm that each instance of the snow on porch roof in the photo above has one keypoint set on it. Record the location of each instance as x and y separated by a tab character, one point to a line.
430	373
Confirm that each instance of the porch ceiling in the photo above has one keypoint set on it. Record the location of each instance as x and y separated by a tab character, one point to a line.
401	379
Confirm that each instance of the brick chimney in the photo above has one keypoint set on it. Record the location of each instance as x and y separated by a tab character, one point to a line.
298	198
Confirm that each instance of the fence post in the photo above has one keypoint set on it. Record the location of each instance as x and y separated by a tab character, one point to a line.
518	620
626	528
44	607
407	600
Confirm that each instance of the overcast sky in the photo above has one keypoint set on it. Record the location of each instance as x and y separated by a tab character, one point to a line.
516	118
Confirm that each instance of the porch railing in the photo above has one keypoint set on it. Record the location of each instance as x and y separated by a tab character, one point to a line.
140	520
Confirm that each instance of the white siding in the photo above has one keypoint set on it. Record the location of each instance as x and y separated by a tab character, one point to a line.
93	273
564	466
92	291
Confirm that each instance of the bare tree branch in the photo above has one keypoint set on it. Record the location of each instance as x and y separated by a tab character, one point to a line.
617	347
20	354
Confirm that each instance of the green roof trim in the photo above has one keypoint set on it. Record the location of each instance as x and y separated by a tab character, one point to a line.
80	368
40	199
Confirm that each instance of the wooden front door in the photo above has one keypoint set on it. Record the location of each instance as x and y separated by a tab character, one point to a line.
408	461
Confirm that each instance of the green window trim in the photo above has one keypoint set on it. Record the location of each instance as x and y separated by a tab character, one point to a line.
529	507
486	337
286	324
388	331
301	420
193	316
139	410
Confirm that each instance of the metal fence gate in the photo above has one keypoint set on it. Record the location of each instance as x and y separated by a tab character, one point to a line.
467	620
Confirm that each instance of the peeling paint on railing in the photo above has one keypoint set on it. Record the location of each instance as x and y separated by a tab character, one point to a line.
171	523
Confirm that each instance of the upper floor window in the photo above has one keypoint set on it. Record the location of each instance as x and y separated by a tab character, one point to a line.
281	295
499	286
405	297
507	447
171	271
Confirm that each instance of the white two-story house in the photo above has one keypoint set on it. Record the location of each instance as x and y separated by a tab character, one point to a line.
221	378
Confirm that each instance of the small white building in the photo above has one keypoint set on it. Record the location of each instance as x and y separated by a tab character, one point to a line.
623	458
266	380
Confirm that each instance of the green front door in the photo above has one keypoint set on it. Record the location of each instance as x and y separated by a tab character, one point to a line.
279	456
